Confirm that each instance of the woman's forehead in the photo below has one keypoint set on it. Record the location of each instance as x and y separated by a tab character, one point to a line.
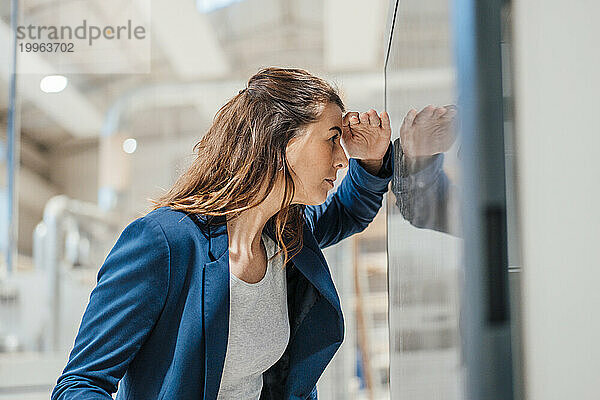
330	116
331	113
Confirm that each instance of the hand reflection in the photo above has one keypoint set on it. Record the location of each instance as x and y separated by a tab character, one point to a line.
428	132
424	195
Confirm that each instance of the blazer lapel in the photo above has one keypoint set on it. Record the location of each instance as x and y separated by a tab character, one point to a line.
309	261
312	264
216	308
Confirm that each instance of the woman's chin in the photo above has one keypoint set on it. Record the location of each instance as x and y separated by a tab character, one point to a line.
321	199
316	200
317	197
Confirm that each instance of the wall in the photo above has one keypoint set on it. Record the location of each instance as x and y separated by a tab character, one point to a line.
557	105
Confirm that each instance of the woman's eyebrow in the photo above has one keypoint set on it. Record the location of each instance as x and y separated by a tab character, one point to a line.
336	128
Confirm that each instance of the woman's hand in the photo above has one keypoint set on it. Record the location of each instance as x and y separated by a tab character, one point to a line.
366	136
428	132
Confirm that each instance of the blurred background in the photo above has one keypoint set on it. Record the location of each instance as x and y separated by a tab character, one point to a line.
468	283
92	148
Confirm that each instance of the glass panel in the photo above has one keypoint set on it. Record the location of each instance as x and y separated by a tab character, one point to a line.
425	250
423	220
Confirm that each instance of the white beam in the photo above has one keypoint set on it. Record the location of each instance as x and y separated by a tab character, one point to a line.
188	40
352	34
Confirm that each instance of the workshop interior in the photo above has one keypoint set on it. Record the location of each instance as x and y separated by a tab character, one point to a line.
480	284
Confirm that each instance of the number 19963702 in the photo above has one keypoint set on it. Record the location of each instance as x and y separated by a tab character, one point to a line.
46	47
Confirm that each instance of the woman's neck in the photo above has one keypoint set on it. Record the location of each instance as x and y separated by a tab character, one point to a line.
245	230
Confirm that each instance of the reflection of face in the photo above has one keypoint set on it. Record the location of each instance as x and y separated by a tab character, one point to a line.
315	156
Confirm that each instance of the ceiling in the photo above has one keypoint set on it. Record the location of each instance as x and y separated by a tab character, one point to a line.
215	53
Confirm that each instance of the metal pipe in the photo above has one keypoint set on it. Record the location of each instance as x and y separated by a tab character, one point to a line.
57	209
12	156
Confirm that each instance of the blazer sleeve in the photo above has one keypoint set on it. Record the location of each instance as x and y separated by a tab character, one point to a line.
354	204
123	309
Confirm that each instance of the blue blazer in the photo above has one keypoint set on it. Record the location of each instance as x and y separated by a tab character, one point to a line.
158	319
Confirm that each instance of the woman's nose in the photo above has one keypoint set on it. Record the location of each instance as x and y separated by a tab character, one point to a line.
339	158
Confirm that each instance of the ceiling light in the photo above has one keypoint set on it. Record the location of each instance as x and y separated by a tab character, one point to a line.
206	6
129	145
53	83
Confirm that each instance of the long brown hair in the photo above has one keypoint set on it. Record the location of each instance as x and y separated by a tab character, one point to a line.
244	150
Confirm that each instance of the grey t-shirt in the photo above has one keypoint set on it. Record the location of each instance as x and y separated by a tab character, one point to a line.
259	329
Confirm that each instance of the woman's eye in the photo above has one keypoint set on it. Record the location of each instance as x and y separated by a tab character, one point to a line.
333	138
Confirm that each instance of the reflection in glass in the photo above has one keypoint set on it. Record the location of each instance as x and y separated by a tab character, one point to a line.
424	264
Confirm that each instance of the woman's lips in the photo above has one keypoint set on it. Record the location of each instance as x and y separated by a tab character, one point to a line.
330	182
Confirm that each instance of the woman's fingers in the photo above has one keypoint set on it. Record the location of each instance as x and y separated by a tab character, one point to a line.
410	117
439	112
428	111
364	118
351	118
374	120
452	110
370	118
385	121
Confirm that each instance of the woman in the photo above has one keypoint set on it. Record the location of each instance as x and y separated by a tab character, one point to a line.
222	291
